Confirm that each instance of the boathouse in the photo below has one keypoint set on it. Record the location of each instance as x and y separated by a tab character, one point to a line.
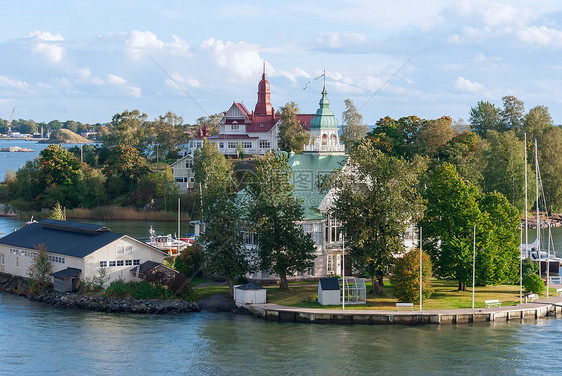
77	252
250	293
329	291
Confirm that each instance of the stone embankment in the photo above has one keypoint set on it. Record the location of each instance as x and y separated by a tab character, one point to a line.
19	286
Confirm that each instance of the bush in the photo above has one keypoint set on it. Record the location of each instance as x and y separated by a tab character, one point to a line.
406	277
530	267
534	283
138	290
189	261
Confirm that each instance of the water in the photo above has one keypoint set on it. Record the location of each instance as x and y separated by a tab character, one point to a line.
38	339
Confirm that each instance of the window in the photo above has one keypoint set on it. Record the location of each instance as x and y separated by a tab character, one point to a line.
221	145
232	145
17	262
136	262
128	262
188	163
265	144
120	263
123	249
247	145
112	263
192	180
103	264
234	127
2	260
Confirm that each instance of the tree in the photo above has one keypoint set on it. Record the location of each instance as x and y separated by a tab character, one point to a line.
168	133
59	166
376	196
58	212
486	116
432	135
353	129
292	137
465	152
451	214
128	129
212	122
273	210
513	113
124	168
224	251
40	269
460	126
54	125
550	165
505	167
537	121
396	137
406	277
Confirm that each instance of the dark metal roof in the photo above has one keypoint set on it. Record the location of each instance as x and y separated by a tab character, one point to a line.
329	284
62	237
250	286
67	273
145	267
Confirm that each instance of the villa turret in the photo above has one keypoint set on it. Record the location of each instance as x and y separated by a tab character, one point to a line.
324	130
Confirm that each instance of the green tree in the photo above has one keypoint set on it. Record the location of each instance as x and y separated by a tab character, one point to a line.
406	277
536	122
54	125
168	133
59	166
432	135
376	197
124	168
451	214
396	137
40	269
225	253
465	152
353	128
129	129
211	122
292	137
273	211
513	113
486	116
58	212
550	165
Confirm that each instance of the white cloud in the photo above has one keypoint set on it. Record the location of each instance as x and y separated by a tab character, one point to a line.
241	59
8	82
334	40
46	46
293	76
121	82
464	84
541	35
139	43
177	77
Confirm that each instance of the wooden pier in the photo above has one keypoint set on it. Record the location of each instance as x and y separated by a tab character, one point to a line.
551	307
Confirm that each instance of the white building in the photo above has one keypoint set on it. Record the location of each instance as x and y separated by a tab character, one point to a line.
76	250
184	176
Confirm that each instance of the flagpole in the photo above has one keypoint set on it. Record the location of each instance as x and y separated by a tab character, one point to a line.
421	260
473	264
343	270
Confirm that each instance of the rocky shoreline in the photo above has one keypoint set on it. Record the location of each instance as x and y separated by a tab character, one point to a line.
19	286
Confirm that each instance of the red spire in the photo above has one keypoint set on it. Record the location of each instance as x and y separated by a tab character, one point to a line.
263	107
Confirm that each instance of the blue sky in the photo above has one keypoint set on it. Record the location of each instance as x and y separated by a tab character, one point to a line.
87	61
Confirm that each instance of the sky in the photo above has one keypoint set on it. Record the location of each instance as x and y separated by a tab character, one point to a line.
89	60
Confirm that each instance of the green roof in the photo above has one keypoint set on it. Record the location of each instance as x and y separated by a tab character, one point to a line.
308	168
324	118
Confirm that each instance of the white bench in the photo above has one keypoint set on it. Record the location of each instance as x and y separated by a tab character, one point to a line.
409	306
492	303
531	297
559	292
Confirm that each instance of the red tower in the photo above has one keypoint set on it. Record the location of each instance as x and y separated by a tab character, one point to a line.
263	107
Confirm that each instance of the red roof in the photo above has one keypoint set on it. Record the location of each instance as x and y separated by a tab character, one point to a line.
242	136
243	109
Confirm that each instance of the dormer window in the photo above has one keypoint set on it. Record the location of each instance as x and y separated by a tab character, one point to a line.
261	125
234	127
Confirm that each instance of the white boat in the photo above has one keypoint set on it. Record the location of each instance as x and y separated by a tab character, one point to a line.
167	243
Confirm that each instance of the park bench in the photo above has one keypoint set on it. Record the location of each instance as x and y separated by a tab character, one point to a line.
492	303
409	306
559	292
531	297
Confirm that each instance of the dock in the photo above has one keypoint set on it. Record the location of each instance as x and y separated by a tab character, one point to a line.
551	307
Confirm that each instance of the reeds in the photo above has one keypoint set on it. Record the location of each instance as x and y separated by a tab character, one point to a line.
121	213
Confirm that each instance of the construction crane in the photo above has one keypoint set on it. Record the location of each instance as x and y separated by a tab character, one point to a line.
9	123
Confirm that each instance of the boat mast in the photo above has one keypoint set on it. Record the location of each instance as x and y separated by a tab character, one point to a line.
537	197
526	210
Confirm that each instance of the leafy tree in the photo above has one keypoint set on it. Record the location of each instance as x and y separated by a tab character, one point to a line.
58	212
189	261
124	168
432	135
396	137
513	113
225	253
534	283
505	167
353	129
292	137
40	268
212	122
24	126
486	116
90	188
54	125
168	132
537	121
406	277
465	152
550	165
376	197
128	129
29	183
59	166
451	214
273	211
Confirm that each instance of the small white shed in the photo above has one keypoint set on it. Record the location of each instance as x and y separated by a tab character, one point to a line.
249	293
329	291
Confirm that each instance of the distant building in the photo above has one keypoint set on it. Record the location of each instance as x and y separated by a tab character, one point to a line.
76	251
254	132
184	176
